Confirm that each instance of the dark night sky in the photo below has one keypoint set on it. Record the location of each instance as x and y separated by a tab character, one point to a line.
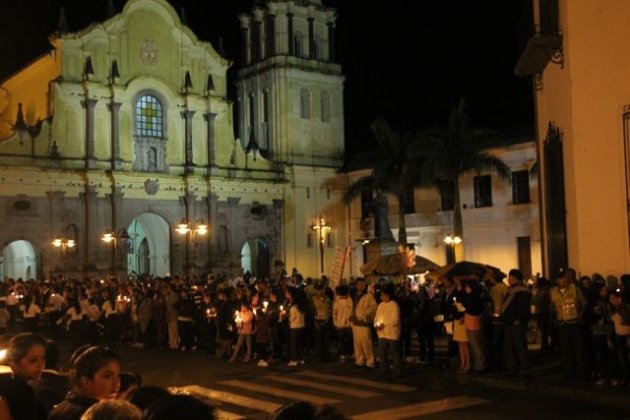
409	61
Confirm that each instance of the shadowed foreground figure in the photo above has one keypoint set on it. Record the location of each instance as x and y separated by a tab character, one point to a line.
306	411
113	409
179	407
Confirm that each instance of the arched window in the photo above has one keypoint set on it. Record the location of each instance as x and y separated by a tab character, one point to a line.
150	132
325	106
305	104
149	117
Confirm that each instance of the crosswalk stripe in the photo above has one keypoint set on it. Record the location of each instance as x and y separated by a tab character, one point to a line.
357	381
279	392
322	387
230	398
226	415
421	409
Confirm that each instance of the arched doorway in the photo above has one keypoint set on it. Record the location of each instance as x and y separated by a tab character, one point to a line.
148	246
255	257
18	260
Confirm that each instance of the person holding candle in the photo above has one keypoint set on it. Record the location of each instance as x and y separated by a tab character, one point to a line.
276	324
387	325
209	316
261	329
245	323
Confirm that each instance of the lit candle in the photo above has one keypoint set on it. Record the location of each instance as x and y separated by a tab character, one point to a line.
265	304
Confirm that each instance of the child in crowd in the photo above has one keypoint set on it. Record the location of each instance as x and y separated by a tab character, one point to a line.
95	376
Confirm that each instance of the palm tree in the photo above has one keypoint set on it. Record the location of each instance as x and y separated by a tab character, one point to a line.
396	169
456	150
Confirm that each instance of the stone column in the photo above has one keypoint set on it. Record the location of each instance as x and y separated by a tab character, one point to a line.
90	229
211	202
257	56
331	42
119	257
311	38
55	210
278	215
187	115
271	36
290	33
114	109
116	201
89	105
244	42
209	117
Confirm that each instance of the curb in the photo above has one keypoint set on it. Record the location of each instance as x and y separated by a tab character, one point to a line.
616	397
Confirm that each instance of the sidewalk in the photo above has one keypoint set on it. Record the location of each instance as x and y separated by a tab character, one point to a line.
544	381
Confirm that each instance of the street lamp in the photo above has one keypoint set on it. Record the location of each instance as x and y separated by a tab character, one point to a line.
63	244
110	236
185	228
322	230
451	241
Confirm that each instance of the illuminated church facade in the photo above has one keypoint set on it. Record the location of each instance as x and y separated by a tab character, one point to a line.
124	131
125	128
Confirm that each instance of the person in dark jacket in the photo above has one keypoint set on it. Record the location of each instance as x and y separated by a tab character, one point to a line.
516	312
225	323
186	312
26	357
473	321
208	321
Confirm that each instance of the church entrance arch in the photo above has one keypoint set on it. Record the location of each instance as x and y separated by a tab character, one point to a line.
148	248
255	257
19	260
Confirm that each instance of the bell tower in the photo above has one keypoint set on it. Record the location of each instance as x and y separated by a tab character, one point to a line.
290	87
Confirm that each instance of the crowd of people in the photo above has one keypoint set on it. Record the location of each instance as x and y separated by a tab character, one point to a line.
96	389
291	320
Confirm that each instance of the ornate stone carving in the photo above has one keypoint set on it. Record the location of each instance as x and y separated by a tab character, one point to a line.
149	53
151	186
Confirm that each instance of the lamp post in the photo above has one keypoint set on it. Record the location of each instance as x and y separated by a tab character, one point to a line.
63	244
110	236
185	228
451	241
322	230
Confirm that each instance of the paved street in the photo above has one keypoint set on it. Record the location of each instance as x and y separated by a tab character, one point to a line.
246	391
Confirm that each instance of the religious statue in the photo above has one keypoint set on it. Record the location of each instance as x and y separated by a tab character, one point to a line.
380	209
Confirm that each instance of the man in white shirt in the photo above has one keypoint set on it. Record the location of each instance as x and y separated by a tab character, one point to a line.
387	324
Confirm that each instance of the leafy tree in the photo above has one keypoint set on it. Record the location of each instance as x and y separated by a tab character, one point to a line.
396	169
457	149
